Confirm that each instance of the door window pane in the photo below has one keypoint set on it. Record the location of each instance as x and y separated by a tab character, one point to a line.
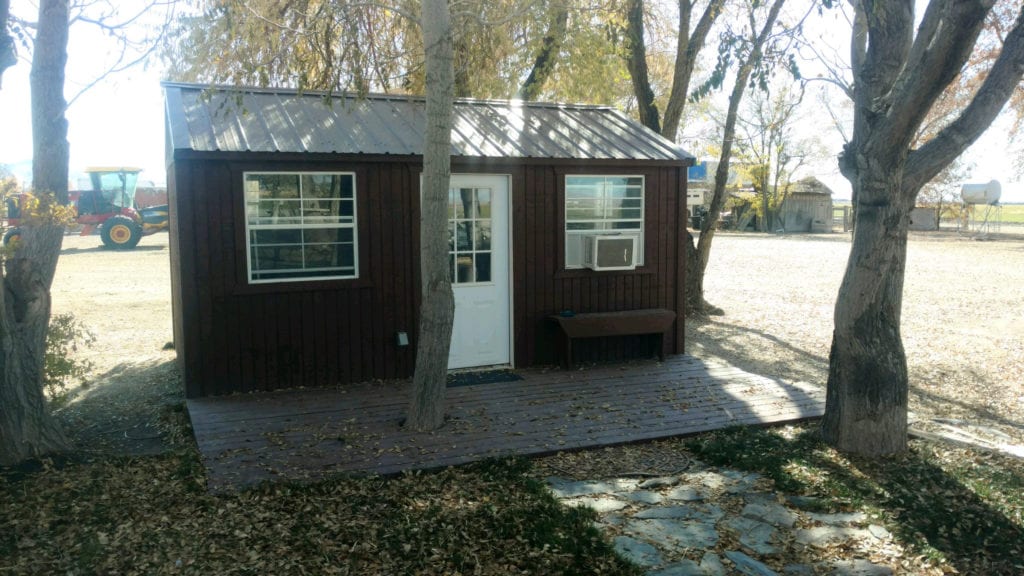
469	231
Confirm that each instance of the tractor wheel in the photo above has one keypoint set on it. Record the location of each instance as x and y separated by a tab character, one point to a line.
12	235
120	233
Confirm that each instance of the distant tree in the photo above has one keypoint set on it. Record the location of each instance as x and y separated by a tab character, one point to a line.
899	77
769	143
943	191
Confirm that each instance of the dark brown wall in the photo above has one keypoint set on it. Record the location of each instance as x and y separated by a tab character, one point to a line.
233	337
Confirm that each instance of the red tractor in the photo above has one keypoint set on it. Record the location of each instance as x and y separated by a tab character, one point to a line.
107	205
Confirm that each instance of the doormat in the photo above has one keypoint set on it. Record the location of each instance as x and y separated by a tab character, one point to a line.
484	377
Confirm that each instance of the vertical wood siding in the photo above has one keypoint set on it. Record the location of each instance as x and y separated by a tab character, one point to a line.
235	337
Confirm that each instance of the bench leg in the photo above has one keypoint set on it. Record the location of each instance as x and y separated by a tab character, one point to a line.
661	346
567	361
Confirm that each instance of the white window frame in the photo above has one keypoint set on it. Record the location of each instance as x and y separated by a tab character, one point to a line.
570	236
251	227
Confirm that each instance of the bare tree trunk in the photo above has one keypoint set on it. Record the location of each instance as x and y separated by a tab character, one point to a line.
636	62
688	46
866	403
27	428
437	309
546	58
707	229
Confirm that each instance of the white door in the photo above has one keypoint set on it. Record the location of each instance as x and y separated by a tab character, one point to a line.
478	253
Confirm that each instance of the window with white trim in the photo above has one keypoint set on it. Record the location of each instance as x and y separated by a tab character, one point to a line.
602	205
300	226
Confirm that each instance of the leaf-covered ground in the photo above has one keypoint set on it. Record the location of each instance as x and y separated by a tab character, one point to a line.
153	516
951	509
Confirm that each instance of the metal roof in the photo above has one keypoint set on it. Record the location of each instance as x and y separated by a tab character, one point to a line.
225	119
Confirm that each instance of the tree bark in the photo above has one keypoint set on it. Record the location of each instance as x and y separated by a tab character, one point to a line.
688	47
437	309
27	428
897	82
866	402
636	62
546	58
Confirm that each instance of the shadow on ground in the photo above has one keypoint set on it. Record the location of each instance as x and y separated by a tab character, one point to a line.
791	363
134	409
960	513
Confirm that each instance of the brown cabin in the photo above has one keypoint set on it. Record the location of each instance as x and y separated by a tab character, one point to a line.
294	233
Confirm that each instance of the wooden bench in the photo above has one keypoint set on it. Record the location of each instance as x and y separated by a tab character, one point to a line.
625	323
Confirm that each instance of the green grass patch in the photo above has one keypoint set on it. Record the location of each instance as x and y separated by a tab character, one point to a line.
152	516
958	507
1013	213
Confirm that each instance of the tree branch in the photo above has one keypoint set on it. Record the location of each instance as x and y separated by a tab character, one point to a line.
689	46
636	63
927	161
889	25
949	31
8	54
546	58
118	31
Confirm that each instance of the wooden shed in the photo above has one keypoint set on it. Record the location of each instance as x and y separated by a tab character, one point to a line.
295	233
807	208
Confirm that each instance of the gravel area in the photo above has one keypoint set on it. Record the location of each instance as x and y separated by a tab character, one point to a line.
963	318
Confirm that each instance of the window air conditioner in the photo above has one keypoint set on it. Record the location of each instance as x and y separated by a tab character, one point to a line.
608	252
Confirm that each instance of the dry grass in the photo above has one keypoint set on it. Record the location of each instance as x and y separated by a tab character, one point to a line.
963	327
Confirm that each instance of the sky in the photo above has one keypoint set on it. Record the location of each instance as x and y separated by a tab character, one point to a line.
117	122
120	121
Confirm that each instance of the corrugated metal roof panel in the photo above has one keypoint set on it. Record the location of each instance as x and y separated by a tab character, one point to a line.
205	118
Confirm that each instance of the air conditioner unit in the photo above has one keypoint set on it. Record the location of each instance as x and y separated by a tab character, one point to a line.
609	252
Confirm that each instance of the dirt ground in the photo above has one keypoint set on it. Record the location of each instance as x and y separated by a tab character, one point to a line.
963	326
124	299
963	317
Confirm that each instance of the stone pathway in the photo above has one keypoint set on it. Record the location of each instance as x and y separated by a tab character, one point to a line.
712	522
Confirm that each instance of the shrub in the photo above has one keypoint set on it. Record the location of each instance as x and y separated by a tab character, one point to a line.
60	366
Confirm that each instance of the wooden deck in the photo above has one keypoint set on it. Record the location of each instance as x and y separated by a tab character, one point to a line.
308	434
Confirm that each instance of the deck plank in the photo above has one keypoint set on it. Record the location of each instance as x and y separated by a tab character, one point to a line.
308	434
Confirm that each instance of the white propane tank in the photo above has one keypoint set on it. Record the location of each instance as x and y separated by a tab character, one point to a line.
981	193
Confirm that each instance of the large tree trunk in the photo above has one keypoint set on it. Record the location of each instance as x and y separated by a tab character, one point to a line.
27	428
437	309
866	402
898	79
